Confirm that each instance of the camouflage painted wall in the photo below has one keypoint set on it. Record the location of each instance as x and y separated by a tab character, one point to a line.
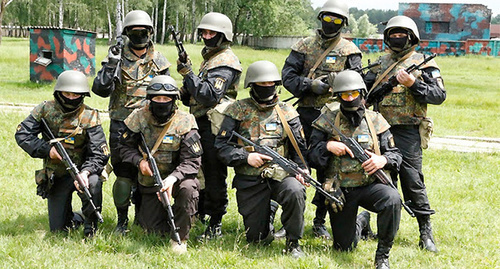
447	22
54	50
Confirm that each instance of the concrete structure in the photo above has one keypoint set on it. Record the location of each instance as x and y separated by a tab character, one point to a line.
54	50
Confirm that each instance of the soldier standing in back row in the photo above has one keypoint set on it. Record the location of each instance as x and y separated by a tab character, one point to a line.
213	88
305	74
405	107
124	76
78	128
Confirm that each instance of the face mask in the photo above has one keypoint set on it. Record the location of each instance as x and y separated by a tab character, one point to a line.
350	105
263	94
67	104
330	29
398	43
139	39
161	111
353	111
214	41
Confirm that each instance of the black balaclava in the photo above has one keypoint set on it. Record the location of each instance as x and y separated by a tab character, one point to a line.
398	44
330	29
353	110
214	41
67	104
264	95
139	39
162	111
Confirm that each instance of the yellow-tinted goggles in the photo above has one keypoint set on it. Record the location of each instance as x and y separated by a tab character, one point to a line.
329	18
345	95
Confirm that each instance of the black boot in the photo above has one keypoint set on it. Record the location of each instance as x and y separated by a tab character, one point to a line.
319	228
280	234
382	263
426	238
382	254
122	223
293	249
77	220
90	228
363	228
273	208
214	229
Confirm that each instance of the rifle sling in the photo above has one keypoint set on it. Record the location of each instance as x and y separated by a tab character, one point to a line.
289	133
388	70
77	129
162	134
371	128
320	59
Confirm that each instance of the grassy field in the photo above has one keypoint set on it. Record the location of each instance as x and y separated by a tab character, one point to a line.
463	189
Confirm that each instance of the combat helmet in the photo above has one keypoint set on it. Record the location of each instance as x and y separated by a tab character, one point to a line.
162	85
137	18
217	22
262	71
348	80
402	22
72	81
338	7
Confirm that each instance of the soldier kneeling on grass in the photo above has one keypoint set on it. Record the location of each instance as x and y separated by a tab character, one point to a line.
172	136
78	128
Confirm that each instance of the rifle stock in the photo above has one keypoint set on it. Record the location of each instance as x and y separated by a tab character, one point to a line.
360	154
71	167
289	166
163	195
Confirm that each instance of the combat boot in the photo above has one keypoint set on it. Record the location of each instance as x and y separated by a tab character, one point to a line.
293	248
280	234
77	220
90	228
122	223
214	229
319	228
426	239
363	228
382	263
382	255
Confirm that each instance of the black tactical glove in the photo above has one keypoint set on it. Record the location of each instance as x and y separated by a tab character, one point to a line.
185	96
319	87
114	55
332	186
184	68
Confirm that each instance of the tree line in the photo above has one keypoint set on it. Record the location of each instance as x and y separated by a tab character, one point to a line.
249	17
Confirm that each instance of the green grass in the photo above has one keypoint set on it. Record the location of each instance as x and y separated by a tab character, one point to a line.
463	188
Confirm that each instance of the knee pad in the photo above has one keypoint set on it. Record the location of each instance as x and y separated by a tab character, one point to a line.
122	189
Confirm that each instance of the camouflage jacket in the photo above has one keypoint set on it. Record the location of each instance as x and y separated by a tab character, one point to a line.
261	125
179	152
218	80
80	132
136	72
295	72
345	168
402	106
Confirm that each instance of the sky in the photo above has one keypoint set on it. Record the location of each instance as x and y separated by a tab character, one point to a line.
494	5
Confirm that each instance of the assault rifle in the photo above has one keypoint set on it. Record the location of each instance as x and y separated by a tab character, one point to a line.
181	52
288	165
360	154
71	167
163	195
376	95
118	47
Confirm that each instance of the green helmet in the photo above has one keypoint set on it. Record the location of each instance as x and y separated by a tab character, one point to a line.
338	7
72	81
217	22
162	85
137	18
348	80
402	22
262	71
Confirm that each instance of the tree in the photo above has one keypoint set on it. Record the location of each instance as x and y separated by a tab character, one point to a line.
496	19
3	5
365	28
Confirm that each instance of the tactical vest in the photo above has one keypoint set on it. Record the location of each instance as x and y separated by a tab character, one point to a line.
399	107
261	125
72	127
167	155
345	168
313	47
224	57
136	73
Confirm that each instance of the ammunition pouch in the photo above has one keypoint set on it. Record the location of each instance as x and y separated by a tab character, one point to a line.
44	179
275	172
425	129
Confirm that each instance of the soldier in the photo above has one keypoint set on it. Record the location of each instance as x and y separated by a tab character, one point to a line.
263	119
78	127
405	108
173	138
305	75
209	92
124	76
348	179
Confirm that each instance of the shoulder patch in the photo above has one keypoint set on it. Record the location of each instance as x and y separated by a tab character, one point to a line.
219	83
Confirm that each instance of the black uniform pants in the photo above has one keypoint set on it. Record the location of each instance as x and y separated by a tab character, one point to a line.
407	139
376	197
154	218
213	199
307	115
254	205
59	202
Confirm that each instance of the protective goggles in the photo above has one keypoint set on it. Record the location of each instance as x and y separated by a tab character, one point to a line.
330	18
159	86
345	95
142	33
